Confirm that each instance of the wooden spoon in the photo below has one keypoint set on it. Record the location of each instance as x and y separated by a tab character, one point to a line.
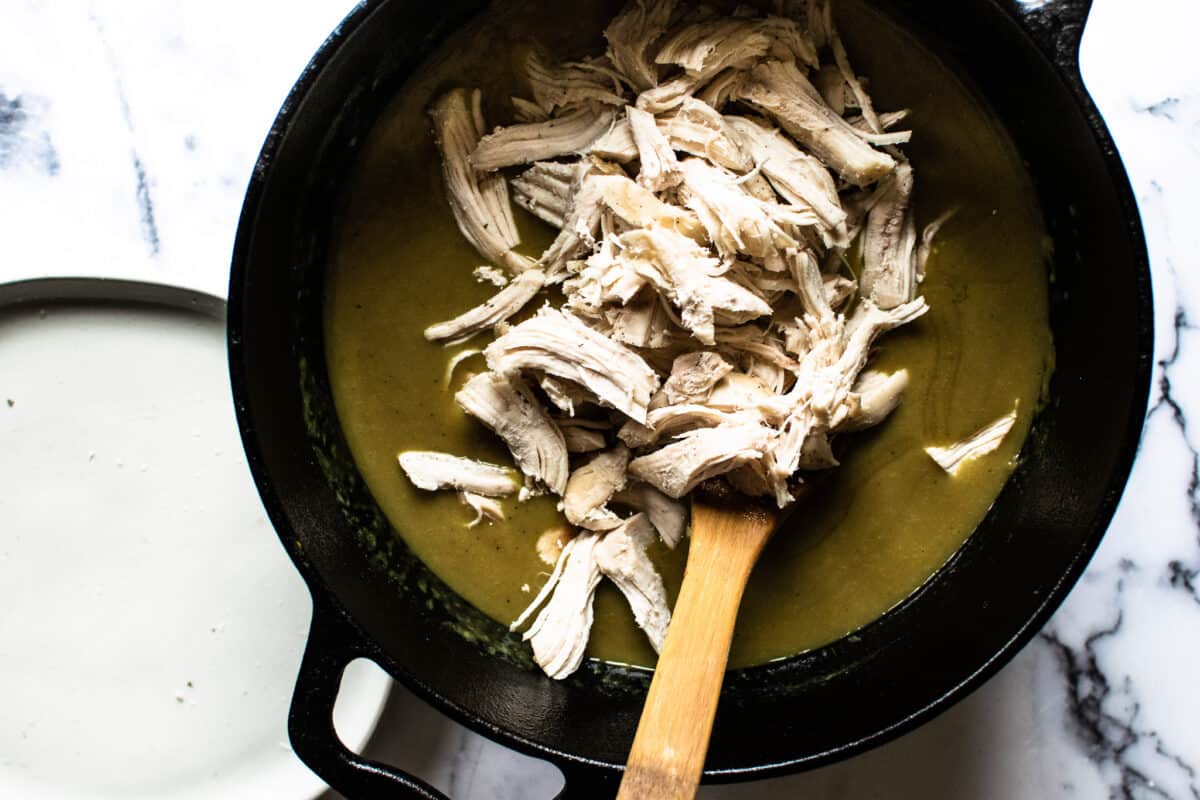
729	531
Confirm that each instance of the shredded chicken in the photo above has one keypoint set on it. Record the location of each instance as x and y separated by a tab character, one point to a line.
985	440
838	290
703	49
640	208
889	274
479	202
631	33
489	274
659	166
736	221
557	86
545	190
527	110
928	240
616	144
663	423
722	88
527	142
610	371
505	404
559	634
507	301
582	435
590	487
669	517
563	395
780	90
874	397
699	129
621	556
642	323
861	98
800	179
455	361
582	217
435	471
700	454
484	507
685	275
693	376
711	180
789	41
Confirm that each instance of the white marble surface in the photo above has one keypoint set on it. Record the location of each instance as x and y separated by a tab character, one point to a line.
128	129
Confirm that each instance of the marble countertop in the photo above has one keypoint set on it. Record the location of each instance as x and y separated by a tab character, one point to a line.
127	134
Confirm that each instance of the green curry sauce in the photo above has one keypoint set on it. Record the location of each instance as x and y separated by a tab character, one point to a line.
881	524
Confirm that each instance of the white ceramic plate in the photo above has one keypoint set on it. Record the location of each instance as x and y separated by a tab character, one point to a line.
151	625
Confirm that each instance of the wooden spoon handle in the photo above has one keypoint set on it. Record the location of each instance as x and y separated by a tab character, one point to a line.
667	757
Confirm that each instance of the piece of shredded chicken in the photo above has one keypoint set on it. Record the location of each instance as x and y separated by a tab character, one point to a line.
889	274
659	168
508	301
630	35
780	90
559	633
479	202
561	345
669	517
484	508
621	557
583	435
433	471
987	439
677	468
591	486
507	406
558	86
527	142
710	179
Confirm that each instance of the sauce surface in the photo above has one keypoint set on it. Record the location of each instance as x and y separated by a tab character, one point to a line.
877	528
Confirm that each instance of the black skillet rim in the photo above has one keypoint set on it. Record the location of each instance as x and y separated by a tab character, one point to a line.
1061	54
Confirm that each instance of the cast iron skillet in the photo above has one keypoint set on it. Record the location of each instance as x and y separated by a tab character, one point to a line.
372	599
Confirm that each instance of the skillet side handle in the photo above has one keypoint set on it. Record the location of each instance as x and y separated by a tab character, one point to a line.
331	646
588	783
1057	27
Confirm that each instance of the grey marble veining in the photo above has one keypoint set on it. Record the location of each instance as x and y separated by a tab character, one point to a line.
128	132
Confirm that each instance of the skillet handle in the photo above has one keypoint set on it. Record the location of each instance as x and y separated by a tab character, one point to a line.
588	783
332	645
1057	27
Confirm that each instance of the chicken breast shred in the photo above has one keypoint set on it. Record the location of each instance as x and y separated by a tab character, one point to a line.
433	471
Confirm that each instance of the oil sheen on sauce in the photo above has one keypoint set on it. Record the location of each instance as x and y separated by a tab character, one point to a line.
881	524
